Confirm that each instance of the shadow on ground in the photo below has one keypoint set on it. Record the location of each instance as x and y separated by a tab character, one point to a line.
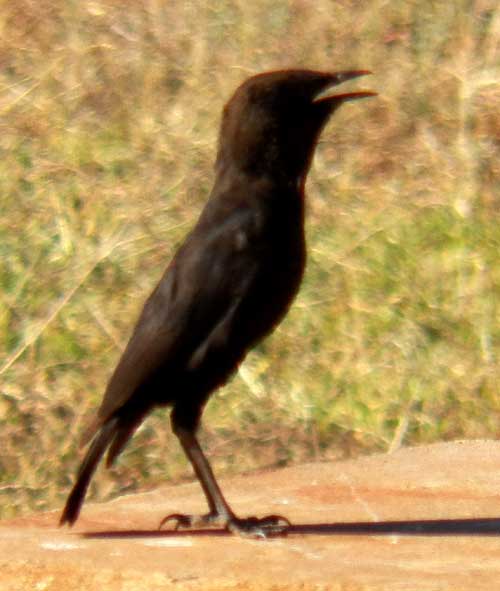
430	527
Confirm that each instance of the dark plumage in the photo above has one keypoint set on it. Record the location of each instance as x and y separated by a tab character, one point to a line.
229	284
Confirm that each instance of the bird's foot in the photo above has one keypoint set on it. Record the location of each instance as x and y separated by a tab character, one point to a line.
253	527
249	527
183	521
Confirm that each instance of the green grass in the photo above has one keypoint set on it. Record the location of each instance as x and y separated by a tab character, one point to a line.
108	127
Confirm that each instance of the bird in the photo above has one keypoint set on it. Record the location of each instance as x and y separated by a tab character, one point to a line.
228	286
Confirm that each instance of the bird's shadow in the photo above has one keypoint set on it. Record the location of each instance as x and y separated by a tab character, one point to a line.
429	527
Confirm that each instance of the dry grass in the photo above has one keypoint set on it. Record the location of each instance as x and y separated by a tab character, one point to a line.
108	115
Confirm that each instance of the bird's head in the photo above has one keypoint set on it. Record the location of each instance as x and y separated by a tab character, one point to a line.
273	121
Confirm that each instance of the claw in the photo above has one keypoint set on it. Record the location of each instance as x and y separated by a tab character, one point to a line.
182	521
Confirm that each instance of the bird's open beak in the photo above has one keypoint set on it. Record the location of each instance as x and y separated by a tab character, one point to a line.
325	96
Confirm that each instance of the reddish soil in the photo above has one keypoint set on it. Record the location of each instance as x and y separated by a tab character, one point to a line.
419	519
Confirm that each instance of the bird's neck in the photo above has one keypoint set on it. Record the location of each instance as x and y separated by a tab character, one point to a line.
267	165
230	171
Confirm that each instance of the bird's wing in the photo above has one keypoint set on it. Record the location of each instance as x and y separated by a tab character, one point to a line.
190	309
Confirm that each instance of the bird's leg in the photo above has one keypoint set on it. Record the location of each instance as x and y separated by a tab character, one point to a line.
220	513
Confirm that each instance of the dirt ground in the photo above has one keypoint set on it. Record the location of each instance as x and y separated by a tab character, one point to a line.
421	519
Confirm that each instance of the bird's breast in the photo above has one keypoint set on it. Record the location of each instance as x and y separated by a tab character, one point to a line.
281	270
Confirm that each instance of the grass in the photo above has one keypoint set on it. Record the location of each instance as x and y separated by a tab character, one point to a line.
108	119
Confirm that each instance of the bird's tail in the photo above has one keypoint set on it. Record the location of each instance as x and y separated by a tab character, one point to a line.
99	445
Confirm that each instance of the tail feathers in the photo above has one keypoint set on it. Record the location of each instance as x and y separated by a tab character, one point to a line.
122	434
99	445
91	430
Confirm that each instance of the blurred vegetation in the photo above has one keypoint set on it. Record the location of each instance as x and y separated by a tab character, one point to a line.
108	124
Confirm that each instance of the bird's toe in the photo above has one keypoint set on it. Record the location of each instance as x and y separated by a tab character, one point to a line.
265	527
186	521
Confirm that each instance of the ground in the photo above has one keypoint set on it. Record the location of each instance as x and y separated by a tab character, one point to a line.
419	519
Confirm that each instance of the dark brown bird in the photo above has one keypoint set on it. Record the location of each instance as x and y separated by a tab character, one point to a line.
229	284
